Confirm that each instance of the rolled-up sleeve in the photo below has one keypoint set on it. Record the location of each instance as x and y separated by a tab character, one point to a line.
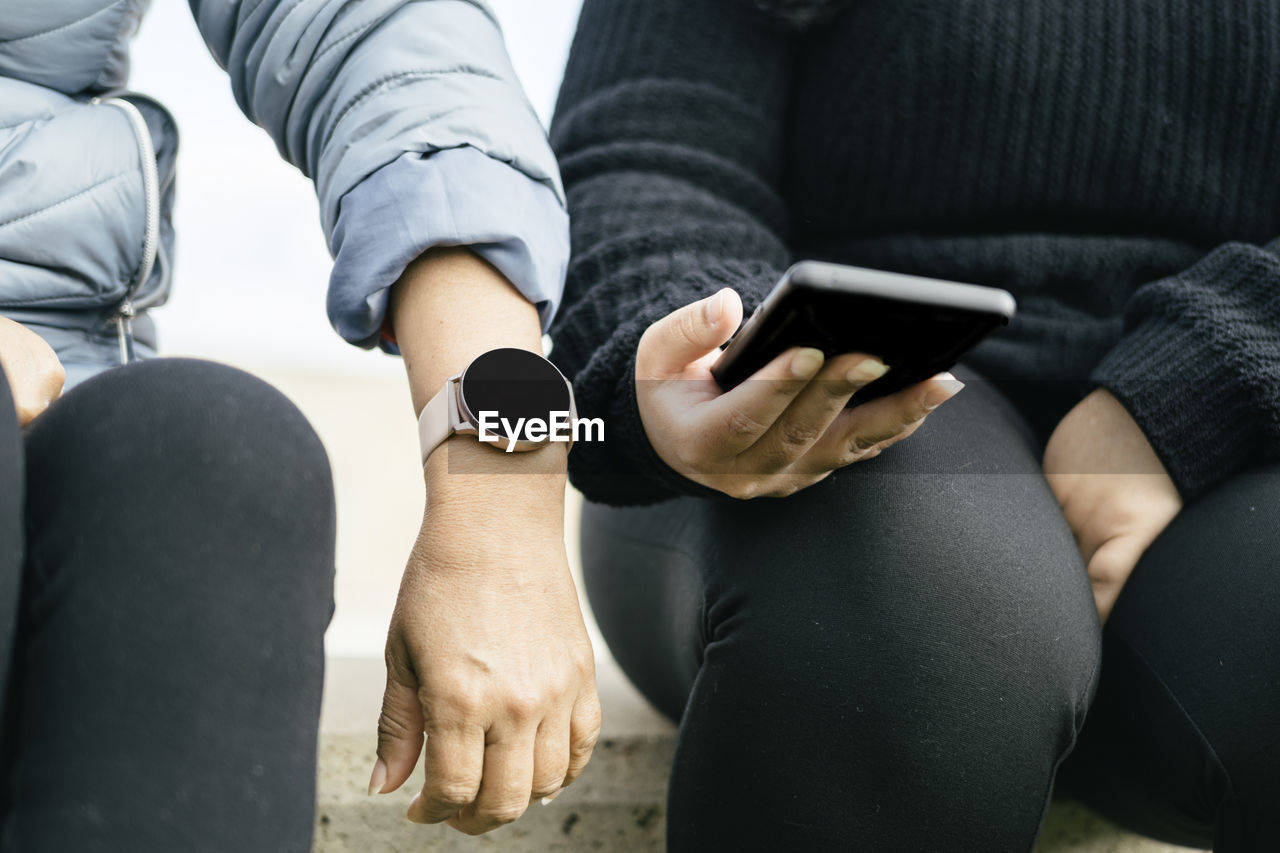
452	198
410	120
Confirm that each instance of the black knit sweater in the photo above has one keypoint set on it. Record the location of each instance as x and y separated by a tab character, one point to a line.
1113	163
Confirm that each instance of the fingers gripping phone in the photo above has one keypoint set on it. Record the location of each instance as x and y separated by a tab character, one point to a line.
917	326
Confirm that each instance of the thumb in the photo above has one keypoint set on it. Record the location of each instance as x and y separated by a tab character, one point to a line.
687	334
400	735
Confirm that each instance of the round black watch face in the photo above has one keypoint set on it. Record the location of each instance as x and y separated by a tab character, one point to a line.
510	388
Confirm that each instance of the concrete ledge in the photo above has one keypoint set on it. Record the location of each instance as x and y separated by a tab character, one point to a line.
619	804
1071	828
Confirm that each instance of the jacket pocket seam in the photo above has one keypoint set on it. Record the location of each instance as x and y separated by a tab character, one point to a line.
80	301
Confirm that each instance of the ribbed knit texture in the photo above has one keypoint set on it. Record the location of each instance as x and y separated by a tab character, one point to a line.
1113	163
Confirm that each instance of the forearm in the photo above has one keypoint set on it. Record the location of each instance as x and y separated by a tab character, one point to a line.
487	634
448	307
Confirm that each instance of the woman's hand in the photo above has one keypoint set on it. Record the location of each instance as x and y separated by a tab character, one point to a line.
487	652
782	430
1116	495
35	375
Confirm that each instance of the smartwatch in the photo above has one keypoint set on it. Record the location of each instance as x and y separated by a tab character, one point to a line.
512	398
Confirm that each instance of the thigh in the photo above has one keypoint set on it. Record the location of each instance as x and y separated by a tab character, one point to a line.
178	584
893	656
1183	741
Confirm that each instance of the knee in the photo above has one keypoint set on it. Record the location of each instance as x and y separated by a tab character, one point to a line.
192	418
931	615
193	445
916	676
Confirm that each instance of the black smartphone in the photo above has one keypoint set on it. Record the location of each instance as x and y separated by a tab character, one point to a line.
917	326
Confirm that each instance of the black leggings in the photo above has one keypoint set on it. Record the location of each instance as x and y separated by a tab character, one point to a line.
166	578
899	658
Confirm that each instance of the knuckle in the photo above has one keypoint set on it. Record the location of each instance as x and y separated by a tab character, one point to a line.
585	744
793	485
453	794
797	436
460	707
501	812
550	783
523	707
845	458
589	721
770	460
910	429
451	703
914	410
584	667
740	425
777	487
861	443
740	488
562	688
788	486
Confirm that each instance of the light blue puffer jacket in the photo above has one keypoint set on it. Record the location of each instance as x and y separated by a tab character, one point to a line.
344	88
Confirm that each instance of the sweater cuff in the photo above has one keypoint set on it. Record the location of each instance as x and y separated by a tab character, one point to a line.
1189	378
662	481
624	469
752	283
1174	391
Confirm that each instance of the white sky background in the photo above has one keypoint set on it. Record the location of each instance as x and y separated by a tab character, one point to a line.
252	267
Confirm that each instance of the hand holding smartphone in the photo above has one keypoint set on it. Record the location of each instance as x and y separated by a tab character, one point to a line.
917	326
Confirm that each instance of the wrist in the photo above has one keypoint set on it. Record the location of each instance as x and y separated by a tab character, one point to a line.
465	476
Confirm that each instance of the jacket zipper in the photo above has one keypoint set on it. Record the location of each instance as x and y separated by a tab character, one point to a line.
127	310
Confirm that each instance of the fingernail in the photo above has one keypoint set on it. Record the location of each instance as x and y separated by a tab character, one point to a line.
806	362
547	799
714	309
867	370
409	811
942	391
379	777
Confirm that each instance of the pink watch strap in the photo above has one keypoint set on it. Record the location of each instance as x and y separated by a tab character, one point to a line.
436	423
